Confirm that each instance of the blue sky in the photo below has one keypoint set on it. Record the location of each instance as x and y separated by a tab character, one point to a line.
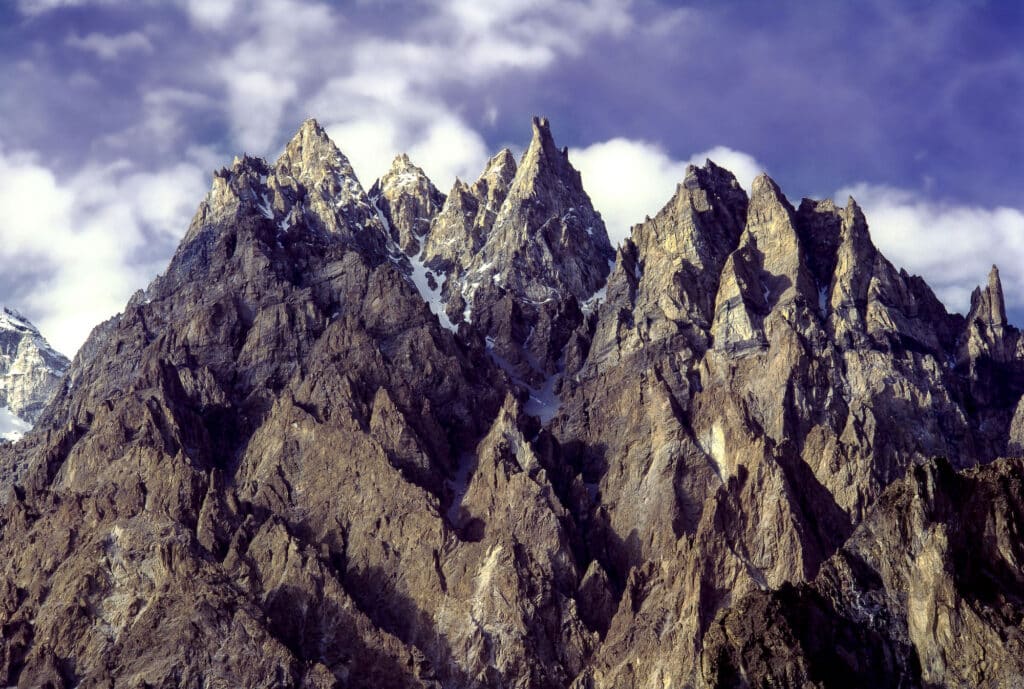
113	113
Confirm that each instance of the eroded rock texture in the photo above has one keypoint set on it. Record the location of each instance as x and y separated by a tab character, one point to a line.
402	439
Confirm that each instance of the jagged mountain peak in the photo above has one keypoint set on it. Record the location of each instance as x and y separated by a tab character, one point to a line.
311	134
987	303
544	163
311	155
408	202
765	190
502	160
403	174
711	174
498	173
402	162
12	319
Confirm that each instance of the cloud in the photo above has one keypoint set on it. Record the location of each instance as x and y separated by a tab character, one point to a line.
34	7
89	240
629	179
279	43
388	93
111	47
951	246
210	14
256	102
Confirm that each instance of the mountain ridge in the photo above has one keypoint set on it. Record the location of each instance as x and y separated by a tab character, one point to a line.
323	450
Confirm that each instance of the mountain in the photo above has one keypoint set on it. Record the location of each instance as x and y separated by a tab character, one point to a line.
399	438
30	372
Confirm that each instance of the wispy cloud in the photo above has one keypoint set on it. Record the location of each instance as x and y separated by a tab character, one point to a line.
111	47
88	239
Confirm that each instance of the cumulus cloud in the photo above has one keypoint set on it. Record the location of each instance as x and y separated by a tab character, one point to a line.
629	180
81	237
110	47
951	246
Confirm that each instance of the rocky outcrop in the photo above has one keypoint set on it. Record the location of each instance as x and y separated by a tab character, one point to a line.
30	369
544	251
391	439
408	201
924	593
462	226
740	457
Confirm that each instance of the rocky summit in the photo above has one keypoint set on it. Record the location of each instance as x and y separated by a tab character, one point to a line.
402	439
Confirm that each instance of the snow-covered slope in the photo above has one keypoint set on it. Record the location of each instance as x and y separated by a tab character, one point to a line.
30	370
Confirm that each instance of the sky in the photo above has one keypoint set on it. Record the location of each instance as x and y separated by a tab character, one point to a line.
114	113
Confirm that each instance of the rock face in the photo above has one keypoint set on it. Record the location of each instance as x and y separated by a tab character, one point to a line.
399	439
533	250
408	201
30	369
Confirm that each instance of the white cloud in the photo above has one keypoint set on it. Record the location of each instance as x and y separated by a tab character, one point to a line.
83	235
450	149
282	41
387	93
369	145
523	34
257	101
629	180
210	14
951	246
110	47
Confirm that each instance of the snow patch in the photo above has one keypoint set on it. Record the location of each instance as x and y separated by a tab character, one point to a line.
542	402
403	180
591	303
594	300
12	426
823	300
421	275
432	295
265	208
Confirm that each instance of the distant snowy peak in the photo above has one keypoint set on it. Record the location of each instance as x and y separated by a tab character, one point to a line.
11	319
30	372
